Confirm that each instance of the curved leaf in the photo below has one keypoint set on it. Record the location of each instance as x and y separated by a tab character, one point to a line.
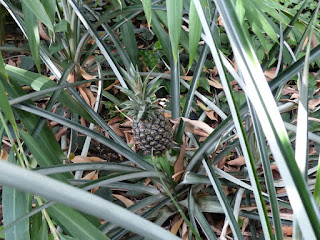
56	191
15	204
38	10
32	29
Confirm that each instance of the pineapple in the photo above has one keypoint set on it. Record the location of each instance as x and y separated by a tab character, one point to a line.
151	130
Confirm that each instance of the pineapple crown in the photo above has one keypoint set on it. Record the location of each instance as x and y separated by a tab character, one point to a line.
141	103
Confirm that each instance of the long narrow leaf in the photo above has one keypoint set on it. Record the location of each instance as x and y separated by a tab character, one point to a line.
262	147
263	102
195	30
239	127
14	205
53	190
223	200
32	29
174	14
147	10
40	82
36	7
95	36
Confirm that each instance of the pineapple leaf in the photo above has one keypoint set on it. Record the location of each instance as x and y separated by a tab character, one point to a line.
140	113
149	74
128	92
154	90
153	85
130	79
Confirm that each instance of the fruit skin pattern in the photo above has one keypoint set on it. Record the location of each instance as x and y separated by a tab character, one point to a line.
153	135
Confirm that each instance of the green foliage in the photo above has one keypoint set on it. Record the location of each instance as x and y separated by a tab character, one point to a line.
233	117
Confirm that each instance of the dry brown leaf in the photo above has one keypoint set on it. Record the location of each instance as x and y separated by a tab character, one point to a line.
91	97
70	78
178	166
112	85
295	96
89	176
313	103
18	60
222	162
86	75
191	129
240	161
123	199
43	34
274	167
220	21
235	65
60	133
95	177
82	159
127	123
84	95
177	175
129	139
83	121
286	215
116	129
202	106
314	119
244	225
305	42
226	190
176	225
289	90
185	232
115	120
11	63
147	181
282	190
270	73
187	78
199	124
287	230
213	72
167	115
89	60
248	208
4	155
215	83
314	41
185	28
27	88
210	115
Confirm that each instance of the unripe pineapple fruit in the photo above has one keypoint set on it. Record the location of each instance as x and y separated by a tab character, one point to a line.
153	135
151	130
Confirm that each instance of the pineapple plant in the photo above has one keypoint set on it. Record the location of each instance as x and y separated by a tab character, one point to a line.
151	130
